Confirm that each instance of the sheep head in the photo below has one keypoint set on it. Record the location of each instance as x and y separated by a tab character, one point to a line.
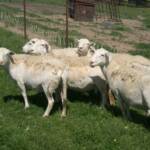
27	48
101	57
5	56
37	46
84	46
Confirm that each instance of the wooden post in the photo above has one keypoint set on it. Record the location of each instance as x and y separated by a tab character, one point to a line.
66	38
24	15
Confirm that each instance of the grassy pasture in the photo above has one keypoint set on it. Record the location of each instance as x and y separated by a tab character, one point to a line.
86	127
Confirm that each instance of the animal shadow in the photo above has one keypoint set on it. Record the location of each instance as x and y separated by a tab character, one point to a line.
136	116
38	99
91	97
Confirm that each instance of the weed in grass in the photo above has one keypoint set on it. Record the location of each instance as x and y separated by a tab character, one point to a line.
99	45
120	27
116	34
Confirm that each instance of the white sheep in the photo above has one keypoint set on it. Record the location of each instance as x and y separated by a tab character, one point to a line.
128	77
42	72
81	77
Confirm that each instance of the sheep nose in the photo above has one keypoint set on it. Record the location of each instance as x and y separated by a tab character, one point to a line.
30	51
91	64
1	62
79	48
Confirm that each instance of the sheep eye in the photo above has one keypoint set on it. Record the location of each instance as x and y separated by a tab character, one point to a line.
102	55
43	45
33	42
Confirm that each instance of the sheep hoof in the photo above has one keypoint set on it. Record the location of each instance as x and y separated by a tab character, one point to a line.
148	113
63	115
26	107
45	115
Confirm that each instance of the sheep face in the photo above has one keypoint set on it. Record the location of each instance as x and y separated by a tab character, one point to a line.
83	47
28	47
36	46
41	47
4	55
100	58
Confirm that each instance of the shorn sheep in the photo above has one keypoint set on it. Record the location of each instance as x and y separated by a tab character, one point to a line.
81	77
128	78
37	72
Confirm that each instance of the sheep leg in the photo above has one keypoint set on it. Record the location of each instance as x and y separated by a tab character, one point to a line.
124	107
105	102
146	99
50	102
121	104
64	95
148	113
49	106
104	92
24	93
111	98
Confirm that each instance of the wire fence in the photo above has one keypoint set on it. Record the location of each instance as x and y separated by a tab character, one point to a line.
48	21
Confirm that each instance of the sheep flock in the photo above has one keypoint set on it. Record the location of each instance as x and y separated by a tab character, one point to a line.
115	76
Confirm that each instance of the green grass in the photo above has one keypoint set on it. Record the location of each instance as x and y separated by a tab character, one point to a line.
134	13
10	40
86	127
116	34
142	49
99	45
121	27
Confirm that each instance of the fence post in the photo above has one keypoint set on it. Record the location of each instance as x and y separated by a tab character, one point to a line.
66	38
24	16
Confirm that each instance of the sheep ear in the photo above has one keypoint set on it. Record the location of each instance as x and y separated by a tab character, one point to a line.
11	53
92	50
76	41
92	44
10	56
107	57
48	48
